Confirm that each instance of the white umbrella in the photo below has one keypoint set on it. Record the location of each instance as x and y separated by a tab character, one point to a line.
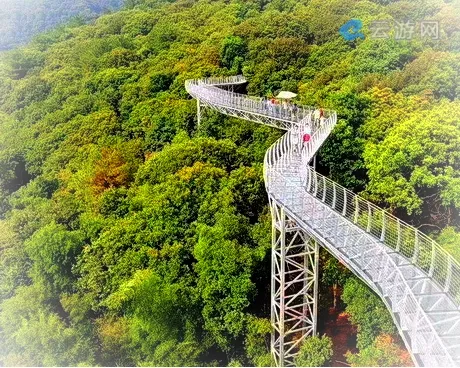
286	95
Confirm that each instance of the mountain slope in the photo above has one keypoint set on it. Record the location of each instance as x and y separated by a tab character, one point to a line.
22	19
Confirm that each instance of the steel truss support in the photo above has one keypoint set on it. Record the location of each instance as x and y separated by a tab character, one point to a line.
294	286
261	118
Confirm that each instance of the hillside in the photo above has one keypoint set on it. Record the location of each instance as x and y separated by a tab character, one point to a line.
130	236
20	20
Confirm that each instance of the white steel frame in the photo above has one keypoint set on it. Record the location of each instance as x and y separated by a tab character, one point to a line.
294	297
416	279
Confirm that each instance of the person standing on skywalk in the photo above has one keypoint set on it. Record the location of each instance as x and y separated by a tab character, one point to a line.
316	116
295	139
306	136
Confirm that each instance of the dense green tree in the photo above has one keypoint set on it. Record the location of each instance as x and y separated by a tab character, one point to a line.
224	277
314	352
414	166
32	334
232	53
257	342
366	311
53	251
14	263
383	352
449	239
346	141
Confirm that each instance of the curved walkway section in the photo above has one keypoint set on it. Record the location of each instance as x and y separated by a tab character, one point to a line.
417	280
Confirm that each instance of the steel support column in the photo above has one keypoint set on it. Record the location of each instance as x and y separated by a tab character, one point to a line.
198	111
294	298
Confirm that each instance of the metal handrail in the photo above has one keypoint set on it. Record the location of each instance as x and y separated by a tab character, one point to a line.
382	227
220	81
281	154
393	232
421	250
211	94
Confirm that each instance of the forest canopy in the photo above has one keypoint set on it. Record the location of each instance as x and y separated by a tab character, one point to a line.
131	236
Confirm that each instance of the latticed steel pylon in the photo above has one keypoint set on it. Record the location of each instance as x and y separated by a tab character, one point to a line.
416	279
294	285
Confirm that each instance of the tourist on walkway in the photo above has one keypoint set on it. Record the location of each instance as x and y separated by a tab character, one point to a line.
316	116
285	108
322	121
306	137
295	139
293	110
269	105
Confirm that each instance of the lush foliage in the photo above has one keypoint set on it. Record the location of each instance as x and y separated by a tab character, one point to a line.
129	236
314	352
383	352
367	311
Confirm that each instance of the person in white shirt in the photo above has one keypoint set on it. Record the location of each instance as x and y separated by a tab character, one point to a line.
316	115
295	139
322	121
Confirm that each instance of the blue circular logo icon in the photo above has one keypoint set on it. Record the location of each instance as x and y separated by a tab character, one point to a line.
350	30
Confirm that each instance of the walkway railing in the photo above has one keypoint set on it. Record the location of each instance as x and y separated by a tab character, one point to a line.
385	234
206	91
424	338
414	245
221	81
421	250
